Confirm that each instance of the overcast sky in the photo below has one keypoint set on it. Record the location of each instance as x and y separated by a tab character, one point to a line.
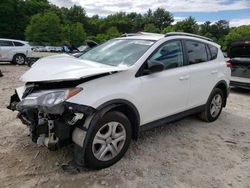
235	11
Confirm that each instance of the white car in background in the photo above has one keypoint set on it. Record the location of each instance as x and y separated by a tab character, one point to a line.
14	51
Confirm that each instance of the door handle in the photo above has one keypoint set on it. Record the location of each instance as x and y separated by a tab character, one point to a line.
214	72
184	77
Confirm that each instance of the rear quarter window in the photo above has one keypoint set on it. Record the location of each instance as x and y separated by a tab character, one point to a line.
213	51
18	44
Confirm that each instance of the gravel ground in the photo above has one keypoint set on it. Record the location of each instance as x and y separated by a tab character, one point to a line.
188	153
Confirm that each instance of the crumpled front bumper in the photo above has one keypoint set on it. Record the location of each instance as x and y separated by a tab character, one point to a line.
51	127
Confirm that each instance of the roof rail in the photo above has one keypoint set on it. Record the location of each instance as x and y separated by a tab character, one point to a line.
141	33
186	34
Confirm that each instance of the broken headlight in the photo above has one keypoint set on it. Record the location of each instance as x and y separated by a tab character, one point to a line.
48	101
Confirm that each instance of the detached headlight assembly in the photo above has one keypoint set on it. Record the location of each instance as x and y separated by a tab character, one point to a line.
48	101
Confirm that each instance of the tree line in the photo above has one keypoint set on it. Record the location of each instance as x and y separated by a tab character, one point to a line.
42	23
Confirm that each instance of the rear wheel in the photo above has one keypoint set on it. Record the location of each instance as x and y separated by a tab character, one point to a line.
214	106
109	141
19	59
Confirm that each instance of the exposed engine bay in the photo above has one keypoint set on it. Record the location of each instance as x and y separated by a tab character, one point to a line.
50	118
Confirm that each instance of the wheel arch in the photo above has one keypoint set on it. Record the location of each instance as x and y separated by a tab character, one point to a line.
125	107
19	53
225	89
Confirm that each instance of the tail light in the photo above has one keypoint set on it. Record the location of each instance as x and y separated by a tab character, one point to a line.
229	64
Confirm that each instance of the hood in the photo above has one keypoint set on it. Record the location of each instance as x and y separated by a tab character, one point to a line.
65	67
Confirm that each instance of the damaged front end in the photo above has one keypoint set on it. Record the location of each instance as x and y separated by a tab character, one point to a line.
50	118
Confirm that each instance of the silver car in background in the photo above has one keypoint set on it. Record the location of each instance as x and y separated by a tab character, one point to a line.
14	51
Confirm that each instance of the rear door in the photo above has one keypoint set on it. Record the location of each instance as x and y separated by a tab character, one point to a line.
6	53
203	69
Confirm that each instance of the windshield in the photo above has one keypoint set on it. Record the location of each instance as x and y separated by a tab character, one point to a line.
118	52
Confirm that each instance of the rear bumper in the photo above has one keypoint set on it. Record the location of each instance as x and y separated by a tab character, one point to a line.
240	82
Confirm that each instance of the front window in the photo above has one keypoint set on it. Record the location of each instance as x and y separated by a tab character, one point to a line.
118	52
170	55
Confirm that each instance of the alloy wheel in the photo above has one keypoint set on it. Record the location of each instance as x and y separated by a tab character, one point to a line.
109	141
216	105
20	60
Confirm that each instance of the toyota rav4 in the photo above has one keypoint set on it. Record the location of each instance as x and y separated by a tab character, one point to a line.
107	96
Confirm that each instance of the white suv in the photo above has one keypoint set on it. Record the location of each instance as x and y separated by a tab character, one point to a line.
14	51
105	97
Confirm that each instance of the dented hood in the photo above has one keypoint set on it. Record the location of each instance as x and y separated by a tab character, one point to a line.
65	67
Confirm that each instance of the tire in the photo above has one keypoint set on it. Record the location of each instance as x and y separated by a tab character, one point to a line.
19	59
100	152
214	106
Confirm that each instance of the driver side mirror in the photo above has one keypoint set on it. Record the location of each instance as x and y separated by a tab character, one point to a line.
155	66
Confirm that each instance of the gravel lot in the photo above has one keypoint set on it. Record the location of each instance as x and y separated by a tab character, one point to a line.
188	153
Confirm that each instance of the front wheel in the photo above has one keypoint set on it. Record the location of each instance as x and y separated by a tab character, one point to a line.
109	141
214	106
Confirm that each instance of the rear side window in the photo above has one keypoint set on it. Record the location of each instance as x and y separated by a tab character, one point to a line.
6	43
214	52
18	44
196	52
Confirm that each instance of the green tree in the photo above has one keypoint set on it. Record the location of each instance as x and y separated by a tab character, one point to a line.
168	29
188	25
76	14
113	32
32	7
74	34
220	29
148	17
44	29
239	33
13	19
118	20
93	25
162	18
136	21
100	38
151	28
15	16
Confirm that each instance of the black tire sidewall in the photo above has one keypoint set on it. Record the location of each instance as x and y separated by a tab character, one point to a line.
90	159
15	61
214	92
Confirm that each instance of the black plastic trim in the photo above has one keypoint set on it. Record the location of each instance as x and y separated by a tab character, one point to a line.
171	118
120	102
225	84
87	110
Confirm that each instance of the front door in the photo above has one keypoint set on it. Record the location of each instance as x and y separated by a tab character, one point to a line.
165	93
